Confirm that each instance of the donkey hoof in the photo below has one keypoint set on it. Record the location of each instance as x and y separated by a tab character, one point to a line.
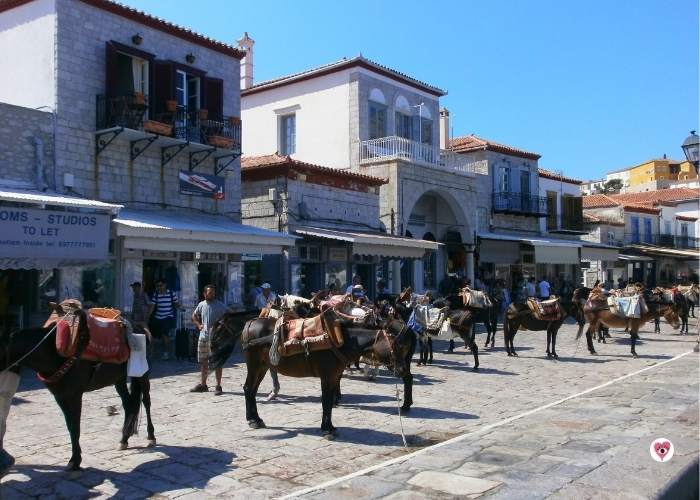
555	355
635	355
256	424
151	443
123	446
405	409
515	354
73	467
476	368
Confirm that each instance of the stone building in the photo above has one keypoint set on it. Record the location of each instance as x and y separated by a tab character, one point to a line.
358	115
145	114
335	215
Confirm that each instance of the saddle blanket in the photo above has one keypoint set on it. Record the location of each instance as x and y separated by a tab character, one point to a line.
545	310
430	318
626	307
308	335
475	298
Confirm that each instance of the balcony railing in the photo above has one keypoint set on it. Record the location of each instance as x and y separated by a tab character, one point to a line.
514	203
399	148
179	122
663	240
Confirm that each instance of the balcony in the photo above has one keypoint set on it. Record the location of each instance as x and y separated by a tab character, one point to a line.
175	129
566	224
399	148
514	203
663	240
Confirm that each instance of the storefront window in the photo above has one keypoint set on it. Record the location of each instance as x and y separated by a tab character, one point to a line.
97	284
336	276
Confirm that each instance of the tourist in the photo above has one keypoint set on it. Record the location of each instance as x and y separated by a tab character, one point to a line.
163	318
205	316
545	289
356	280
530	288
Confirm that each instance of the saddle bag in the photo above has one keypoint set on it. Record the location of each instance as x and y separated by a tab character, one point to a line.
67	336
545	310
108	343
309	335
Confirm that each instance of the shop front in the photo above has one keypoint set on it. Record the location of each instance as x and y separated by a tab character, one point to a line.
662	266
510	258
600	263
329	259
189	251
52	247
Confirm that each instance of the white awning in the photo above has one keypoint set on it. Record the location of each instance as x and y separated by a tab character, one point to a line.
374	243
683	254
195	232
547	251
53	199
634	258
599	253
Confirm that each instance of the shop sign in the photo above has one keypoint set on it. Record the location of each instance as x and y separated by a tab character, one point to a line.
336	254
251	256
36	233
204	185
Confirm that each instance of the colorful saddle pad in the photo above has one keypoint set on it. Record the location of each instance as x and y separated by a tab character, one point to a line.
545	310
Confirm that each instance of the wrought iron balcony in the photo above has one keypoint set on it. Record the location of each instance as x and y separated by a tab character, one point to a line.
663	240
192	125
399	148
515	203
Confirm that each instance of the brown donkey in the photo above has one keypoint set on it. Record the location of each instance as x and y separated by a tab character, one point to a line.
659	303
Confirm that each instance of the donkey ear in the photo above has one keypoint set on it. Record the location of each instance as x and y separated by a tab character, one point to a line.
53	306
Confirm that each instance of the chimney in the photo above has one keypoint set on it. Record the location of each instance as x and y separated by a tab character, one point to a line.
246	44
444	128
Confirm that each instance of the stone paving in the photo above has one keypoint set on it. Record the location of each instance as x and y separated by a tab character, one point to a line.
593	445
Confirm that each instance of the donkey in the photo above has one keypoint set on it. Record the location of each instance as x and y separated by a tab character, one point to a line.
659	303
389	345
691	295
68	379
519	315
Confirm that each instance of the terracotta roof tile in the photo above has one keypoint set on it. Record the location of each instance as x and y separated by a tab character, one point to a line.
659	195
468	143
555	176
686	218
276	163
599	201
338	66
595	219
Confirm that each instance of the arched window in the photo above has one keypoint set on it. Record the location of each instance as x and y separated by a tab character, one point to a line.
377	114
402	118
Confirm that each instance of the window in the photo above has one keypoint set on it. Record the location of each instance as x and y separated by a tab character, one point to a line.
377	120
426	135
288	134
504	179
551	210
634	221
647	230
403	125
187	90
667	227
611	238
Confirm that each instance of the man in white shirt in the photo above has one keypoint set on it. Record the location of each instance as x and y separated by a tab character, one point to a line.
545	289
266	297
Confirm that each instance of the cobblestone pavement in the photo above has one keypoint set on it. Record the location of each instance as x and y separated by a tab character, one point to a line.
592	445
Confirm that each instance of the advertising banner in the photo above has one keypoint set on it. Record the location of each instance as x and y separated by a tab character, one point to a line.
36	234
198	184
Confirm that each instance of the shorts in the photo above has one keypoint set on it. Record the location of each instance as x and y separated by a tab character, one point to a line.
162	327
203	348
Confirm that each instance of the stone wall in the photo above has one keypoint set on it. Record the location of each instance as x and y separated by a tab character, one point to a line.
26	137
83	31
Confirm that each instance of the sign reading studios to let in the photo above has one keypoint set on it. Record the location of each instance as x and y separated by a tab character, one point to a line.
34	233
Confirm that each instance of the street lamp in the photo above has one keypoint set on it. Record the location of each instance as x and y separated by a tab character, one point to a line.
690	148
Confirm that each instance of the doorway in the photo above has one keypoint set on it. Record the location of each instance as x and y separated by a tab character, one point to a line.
211	274
156	270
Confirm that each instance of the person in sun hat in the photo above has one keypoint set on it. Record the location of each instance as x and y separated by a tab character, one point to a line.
265	297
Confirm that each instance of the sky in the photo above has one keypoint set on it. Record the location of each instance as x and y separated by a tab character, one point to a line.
592	86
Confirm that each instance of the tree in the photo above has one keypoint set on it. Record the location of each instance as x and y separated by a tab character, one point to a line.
612	186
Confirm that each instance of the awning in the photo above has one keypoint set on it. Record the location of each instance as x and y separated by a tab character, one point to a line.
47	264
53	199
499	252
195	232
634	258
668	252
599	252
374	243
547	251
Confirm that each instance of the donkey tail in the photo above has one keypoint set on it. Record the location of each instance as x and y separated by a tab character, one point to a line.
131	422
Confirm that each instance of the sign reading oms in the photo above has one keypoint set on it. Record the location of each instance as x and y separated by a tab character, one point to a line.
33	233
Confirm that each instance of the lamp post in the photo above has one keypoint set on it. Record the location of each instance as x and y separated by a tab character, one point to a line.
690	146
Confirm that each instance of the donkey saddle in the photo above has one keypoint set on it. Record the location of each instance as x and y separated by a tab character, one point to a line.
545	310
309	334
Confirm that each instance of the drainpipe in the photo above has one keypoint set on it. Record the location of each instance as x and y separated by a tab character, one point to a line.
39	164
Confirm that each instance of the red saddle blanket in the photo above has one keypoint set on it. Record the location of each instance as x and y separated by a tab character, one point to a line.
308	335
107	342
545	310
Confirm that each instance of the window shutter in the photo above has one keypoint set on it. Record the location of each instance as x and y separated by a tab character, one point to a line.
214	98
398	120
163	86
415	128
110	69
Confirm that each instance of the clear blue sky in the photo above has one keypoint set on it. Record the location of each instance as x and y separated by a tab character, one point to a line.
592	86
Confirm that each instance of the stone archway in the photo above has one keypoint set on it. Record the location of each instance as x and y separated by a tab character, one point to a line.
436	215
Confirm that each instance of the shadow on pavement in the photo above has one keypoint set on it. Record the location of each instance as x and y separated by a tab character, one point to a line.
165	474
457	365
420	412
370	437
